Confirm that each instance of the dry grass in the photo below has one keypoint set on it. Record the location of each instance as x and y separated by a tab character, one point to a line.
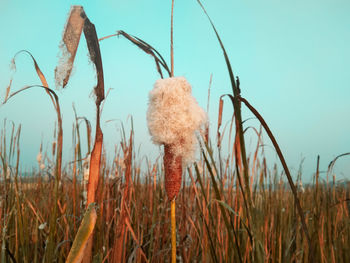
202	234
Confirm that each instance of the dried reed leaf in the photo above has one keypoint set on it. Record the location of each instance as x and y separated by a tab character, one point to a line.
331	164
159	60
8	91
76	24
33	86
37	69
69	46
88	133
39	73
221	106
228	64
84	232
95	56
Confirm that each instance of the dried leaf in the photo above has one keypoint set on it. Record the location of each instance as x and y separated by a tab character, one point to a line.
8	91
159	60
95	56
69	46
221	106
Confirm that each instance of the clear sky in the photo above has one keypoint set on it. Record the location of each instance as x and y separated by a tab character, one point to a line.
292	57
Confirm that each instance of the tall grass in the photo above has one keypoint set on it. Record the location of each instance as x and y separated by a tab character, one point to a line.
203	234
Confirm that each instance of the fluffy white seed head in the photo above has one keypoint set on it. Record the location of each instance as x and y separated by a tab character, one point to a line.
174	116
86	174
8	173
39	157
42	226
84	196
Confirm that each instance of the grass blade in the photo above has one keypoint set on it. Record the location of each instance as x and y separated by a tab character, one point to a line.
237	111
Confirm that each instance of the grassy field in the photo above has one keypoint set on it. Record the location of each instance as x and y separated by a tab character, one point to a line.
214	224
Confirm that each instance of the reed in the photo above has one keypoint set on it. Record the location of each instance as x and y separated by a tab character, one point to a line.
77	23
173	117
203	234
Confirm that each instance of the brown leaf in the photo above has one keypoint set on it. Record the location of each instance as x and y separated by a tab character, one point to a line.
8	91
95	56
69	46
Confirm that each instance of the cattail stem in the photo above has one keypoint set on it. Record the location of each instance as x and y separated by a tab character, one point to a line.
173	232
173	175
172	39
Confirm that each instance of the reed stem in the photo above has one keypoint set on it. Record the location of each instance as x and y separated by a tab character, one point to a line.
173	204
172	39
173	232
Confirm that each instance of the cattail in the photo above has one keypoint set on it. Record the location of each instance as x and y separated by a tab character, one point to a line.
173	117
173	171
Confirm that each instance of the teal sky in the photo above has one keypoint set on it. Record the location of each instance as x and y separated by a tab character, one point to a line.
292	57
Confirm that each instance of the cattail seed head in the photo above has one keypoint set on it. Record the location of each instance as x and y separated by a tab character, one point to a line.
173	117
39	157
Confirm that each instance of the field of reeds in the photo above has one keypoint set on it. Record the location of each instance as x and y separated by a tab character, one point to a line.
205	233
231	206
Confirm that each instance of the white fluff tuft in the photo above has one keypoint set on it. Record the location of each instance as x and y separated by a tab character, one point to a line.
64	66
174	116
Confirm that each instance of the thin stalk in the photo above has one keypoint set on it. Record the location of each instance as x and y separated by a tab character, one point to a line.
173	202
172	39
173	232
